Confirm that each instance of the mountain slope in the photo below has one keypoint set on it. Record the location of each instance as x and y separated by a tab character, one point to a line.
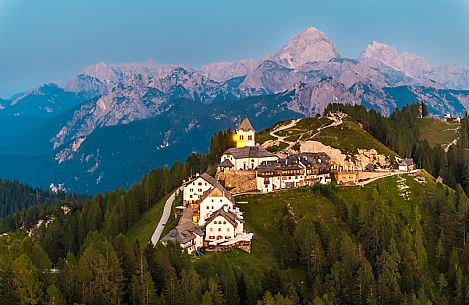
119	155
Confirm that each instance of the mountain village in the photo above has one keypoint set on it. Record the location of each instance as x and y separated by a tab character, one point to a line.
209	218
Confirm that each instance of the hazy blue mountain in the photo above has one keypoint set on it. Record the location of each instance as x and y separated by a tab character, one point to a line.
119	155
111	123
26	111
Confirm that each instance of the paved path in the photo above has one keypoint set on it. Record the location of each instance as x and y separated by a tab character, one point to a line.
164	218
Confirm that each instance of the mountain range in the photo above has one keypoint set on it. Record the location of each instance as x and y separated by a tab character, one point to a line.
111	123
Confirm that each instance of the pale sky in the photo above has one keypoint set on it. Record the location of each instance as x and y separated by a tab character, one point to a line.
51	40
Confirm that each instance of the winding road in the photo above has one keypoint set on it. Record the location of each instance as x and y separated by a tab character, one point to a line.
164	218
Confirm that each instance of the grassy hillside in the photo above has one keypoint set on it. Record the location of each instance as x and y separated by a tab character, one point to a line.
146	225
335	214
437	132
347	135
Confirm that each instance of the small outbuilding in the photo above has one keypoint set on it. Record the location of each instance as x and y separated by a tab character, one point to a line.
407	165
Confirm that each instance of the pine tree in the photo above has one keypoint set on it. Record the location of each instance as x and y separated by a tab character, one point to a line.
172	292
26	280
54	297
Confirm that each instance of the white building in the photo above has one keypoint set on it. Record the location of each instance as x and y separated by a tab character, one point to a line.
297	170
246	158
223	225
189	236
246	155
407	165
194	189
213	200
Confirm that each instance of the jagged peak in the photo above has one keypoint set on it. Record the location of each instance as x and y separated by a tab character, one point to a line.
306	46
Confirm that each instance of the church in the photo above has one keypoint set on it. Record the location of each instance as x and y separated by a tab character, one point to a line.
246	155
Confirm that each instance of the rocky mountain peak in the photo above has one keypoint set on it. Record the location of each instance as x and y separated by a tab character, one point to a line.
378	55
307	46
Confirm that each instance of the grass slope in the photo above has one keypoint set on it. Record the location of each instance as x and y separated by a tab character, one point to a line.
437	132
264	211
347	137
146	225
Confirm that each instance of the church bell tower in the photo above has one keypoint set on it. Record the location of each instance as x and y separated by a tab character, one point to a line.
245	134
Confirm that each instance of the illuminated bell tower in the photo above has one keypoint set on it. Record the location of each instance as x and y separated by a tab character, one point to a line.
245	134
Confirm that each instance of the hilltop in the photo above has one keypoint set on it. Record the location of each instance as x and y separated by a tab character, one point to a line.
337	134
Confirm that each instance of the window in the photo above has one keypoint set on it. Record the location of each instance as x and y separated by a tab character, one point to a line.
227	237
212	200
227	229
200	183
241	137
192	190
219	229
200	190
205	183
211	229
224	222
250	138
190	196
211	237
221	200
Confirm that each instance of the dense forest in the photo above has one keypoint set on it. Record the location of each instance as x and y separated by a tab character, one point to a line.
371	249
15	196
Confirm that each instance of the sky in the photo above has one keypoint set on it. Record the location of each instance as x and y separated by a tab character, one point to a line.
52	40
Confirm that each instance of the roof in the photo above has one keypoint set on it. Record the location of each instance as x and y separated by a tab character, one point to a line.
184	233
216	192
228	215
245	125
214	182
407	162
248	152
226	163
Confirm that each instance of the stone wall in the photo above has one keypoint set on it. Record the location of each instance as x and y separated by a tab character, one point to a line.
239	181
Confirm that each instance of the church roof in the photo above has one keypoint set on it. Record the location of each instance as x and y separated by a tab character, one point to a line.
248	152
245	125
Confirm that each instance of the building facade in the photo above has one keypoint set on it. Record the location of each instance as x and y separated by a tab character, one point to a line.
245	134
196	187
303	169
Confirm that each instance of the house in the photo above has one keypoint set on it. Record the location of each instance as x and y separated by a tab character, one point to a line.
345	177
407	165
278	175
246	155
194	189
245	134
294	171
449	118
211	201
223	225
224	230
188	235
246	158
